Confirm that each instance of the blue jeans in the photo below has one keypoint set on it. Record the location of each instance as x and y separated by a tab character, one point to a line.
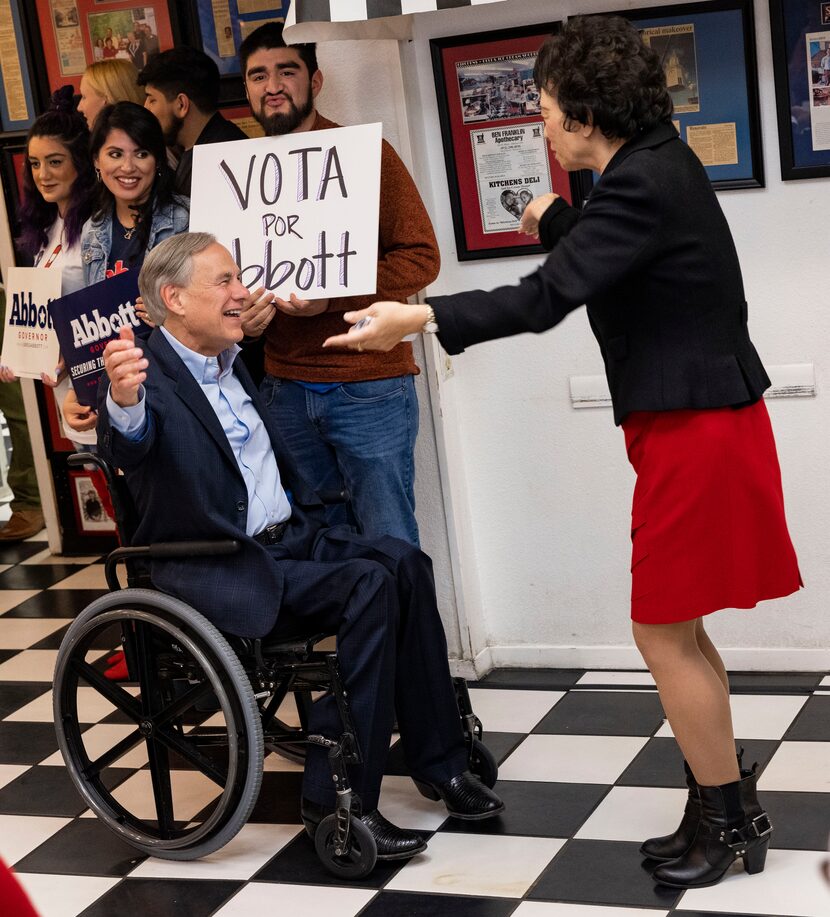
361	437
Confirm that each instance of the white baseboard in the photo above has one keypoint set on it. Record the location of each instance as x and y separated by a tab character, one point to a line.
754	659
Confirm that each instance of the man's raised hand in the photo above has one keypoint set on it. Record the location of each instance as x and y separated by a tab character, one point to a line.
125	365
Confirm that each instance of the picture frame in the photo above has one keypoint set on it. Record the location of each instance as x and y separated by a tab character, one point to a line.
495	151
223	25
76	33
20	89
91	515
800	45
709	56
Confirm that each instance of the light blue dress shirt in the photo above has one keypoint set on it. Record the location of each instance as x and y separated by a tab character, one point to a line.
248	438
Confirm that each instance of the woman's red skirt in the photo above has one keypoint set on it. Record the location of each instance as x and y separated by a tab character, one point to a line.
707	523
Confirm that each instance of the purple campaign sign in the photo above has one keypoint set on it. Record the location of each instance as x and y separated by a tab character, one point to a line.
86	320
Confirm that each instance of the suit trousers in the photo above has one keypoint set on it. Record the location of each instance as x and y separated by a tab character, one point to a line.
378	596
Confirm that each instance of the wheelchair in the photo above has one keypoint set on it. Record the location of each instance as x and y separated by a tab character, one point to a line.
189	726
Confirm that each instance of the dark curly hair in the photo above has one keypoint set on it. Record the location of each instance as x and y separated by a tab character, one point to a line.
600	72
37	215
144	130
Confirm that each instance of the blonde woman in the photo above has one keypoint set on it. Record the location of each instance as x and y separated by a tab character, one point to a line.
106	82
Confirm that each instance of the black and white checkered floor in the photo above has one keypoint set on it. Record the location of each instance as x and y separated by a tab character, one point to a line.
588	769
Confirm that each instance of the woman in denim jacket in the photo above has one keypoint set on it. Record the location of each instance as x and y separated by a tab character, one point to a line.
135	207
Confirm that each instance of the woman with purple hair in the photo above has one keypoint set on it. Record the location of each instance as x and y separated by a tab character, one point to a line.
58	180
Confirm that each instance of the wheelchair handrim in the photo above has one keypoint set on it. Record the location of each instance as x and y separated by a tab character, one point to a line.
110	814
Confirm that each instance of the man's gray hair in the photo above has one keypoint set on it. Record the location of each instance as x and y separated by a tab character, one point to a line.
170	262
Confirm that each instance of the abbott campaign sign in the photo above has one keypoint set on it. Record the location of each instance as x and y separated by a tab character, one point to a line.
30	345
86	320
299	213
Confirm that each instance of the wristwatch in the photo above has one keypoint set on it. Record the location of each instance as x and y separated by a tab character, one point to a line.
430	325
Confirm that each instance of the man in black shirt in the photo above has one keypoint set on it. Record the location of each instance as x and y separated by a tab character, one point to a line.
182	91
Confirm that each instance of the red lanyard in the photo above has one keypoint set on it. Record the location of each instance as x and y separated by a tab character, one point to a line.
54	255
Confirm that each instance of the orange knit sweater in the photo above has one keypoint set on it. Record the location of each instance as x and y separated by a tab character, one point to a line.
408	260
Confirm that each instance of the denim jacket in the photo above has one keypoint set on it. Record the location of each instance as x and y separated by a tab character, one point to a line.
96	236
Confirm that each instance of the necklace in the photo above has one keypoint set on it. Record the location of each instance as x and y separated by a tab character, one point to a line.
128	233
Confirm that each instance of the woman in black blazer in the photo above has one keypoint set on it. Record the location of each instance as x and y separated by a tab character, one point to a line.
652	257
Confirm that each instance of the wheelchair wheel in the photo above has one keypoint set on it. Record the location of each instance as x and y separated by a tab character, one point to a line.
177	770
483	764
360	857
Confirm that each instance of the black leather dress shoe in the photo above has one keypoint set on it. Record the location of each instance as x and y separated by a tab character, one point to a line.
466	797
393	843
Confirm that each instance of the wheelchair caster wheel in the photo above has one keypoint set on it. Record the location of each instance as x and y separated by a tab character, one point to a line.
360	857
483	764
425	789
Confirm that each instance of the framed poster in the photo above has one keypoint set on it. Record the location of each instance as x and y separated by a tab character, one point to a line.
801	62
708	54
495	150
76	33
17	101
224	24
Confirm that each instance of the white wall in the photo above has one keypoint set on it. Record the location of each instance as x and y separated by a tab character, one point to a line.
538	495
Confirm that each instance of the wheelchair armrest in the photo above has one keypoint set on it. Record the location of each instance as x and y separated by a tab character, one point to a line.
192	548
165	549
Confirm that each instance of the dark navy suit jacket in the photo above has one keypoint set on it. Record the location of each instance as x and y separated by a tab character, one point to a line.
653	258
186	484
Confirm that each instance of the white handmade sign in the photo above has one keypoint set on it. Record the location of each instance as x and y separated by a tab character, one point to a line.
299	212
30	344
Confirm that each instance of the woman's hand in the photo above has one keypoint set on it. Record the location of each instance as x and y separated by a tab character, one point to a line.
388	324
257	312
529	223
6	375
78	416
60	372
141	312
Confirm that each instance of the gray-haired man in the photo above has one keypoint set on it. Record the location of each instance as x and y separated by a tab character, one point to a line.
203	459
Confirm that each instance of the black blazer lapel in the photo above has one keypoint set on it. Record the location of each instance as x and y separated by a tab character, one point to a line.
190	393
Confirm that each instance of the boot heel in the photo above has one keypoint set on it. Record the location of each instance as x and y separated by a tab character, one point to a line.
427	790
756	857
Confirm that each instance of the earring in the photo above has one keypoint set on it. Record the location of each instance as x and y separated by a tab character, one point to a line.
98	174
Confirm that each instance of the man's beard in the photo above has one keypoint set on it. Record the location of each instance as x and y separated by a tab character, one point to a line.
171	135
285	122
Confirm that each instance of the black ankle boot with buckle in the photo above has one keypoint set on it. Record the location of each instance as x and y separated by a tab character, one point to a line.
393	843
672	846
732	825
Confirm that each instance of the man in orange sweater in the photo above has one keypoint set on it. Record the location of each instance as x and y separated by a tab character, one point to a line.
350	419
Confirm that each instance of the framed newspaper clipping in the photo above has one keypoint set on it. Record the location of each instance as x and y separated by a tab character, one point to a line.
77	33
801	62
708	54
19	78
494	143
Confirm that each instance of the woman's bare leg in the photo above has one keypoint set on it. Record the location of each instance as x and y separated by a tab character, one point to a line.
694	698
712	655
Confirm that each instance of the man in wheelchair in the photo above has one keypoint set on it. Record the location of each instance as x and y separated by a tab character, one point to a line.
203	459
